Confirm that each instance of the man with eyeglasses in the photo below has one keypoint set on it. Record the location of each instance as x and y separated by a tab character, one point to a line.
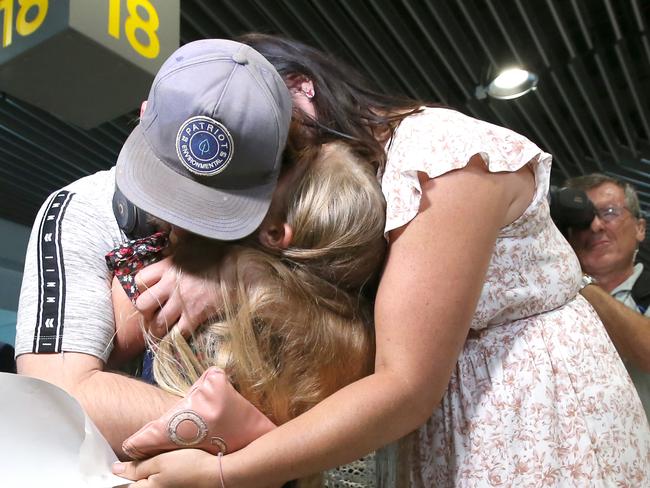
617	288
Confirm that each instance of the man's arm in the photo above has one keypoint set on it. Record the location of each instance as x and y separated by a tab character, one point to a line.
117	404
65	305
628	329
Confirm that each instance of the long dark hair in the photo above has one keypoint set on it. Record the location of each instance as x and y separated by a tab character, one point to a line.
347	107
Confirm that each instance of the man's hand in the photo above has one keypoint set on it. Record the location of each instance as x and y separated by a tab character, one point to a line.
168	297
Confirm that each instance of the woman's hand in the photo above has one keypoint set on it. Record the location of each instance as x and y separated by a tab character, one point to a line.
182	468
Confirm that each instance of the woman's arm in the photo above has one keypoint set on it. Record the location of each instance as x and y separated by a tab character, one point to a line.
428	293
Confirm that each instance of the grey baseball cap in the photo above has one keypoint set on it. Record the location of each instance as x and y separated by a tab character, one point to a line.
206	153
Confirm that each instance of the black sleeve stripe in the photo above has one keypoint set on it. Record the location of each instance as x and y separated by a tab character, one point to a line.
48	335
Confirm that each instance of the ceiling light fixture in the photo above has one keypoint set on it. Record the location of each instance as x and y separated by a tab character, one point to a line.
510	83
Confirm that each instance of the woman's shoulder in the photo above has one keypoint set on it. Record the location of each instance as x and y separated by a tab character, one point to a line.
437	140
447	120
430	112
447	139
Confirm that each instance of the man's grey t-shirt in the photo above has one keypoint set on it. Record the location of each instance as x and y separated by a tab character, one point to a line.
65	299
641	379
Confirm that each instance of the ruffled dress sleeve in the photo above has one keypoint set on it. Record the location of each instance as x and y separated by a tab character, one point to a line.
438	140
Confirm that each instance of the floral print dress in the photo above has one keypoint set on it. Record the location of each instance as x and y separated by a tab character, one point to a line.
539	396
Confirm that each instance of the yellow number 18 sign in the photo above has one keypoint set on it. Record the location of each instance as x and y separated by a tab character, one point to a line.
138	22
24	27
85	47
134	21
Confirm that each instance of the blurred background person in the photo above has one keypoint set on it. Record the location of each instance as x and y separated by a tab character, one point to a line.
620	288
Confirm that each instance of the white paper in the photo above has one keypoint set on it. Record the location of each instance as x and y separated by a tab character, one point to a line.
47	440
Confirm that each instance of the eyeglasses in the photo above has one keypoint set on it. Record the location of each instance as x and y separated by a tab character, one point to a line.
610	213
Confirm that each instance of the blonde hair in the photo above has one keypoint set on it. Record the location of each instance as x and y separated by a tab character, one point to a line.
296	322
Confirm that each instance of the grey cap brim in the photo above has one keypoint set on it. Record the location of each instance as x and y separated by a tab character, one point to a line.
217	214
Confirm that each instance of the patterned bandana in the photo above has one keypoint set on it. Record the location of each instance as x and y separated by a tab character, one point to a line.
129	258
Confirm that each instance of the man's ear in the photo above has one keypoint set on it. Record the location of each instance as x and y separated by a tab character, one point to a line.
276	236
640	229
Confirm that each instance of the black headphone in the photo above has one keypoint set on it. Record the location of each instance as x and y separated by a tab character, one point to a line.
134	222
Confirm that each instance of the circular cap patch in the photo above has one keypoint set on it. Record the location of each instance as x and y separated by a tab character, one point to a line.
204	145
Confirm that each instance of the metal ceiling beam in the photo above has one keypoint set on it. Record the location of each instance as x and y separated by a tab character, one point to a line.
631	80
279	15
561	29
454	34
426	28
506	32
494	63
29	138
614	101
351	39
306	14
368	24
420	62
533	34
203	21
586	138
643	29
623	121
580	78
55	131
